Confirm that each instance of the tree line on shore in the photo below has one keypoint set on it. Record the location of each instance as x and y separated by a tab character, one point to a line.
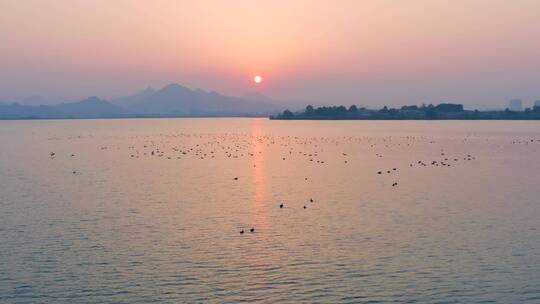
423	112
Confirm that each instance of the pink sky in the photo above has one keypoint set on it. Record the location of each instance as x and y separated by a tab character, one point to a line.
479	52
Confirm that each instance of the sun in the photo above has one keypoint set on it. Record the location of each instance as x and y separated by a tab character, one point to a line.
257	79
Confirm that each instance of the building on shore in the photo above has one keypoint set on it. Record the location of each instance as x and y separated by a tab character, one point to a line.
515	105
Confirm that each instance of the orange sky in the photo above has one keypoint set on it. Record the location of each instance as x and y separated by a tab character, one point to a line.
479	52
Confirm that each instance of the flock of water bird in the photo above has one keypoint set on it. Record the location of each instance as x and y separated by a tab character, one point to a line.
314	150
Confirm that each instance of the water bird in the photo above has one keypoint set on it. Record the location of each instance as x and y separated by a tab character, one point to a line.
281	205
252	229
242	231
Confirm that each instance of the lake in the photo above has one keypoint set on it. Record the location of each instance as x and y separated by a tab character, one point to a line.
151	210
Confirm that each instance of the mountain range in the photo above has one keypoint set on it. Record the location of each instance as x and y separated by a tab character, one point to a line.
172	100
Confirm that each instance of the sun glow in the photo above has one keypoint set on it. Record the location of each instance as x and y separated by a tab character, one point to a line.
257	79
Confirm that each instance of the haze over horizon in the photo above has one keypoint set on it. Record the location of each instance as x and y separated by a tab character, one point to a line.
480	53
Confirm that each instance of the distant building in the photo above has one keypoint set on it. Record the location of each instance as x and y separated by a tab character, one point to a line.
515	105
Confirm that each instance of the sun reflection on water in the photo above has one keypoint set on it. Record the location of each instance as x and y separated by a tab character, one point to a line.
259	182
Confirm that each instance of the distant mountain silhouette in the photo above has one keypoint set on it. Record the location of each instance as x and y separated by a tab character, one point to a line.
92	107
126	101
37	100
177	100
291	103
171	100
256	96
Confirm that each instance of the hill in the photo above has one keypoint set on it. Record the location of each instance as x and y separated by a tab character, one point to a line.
177	100
92	107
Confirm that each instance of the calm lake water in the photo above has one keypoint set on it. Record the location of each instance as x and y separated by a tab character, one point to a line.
150	210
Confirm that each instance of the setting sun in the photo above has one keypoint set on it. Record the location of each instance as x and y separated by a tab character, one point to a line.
257	79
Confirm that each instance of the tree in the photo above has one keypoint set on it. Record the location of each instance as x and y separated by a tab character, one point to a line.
409	108
309	110
449	107
431	114
353	108
287	114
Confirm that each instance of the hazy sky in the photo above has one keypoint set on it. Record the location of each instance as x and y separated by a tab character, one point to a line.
478	52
